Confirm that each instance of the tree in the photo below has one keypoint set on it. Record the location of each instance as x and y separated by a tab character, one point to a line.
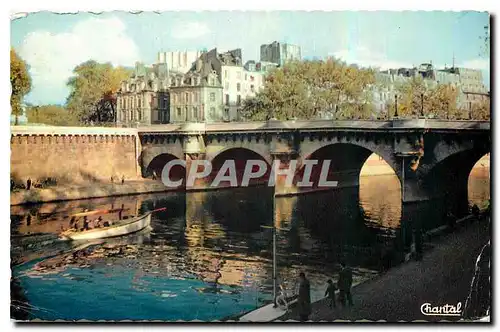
20	82
302	89
51	115
93	88
443	102
481	110
417	96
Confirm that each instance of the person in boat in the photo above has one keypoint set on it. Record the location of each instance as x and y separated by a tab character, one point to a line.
98	223
85	224
72	222
330	293
121	212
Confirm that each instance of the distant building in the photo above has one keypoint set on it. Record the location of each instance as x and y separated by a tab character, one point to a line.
469	83
197	95
179	61
472	87
144	97
238	82
279	53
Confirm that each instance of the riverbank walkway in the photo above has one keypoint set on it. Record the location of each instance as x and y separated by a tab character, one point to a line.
443	276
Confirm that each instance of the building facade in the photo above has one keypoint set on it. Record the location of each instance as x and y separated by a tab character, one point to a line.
238	82
143	99
469	83
196	96
280	53
472	88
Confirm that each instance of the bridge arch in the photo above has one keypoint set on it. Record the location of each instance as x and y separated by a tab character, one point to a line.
260	150
448	179
240	156
158	162
157	153
347	160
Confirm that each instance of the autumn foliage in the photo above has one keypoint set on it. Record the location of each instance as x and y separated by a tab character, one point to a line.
20	81
302	89
93	88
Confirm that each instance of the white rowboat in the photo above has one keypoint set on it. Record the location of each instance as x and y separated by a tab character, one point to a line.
124	227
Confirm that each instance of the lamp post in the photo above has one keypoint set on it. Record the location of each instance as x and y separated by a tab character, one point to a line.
422	104
396	106
274	229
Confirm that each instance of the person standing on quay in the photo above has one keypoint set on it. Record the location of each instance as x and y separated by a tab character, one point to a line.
28	184
344	284
330	293
304	299
123	179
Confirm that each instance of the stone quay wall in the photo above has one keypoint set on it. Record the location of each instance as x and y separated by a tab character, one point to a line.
73	155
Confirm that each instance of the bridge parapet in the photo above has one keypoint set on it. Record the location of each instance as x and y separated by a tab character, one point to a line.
275	126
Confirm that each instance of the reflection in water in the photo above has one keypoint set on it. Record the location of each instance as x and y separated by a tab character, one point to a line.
207	257
479	186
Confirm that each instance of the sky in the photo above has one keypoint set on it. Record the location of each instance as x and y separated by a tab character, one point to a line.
53	44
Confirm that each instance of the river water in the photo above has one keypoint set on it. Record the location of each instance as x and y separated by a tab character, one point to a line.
207	257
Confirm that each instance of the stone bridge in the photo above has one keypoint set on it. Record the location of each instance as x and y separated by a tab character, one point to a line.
431	158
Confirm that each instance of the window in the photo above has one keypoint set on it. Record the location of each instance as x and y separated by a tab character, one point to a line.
245	77
187	98
227	99
238	75
238	100
139	115
212	96
252	88
179	113
226	85
195	113
196	97
212	111
238	87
